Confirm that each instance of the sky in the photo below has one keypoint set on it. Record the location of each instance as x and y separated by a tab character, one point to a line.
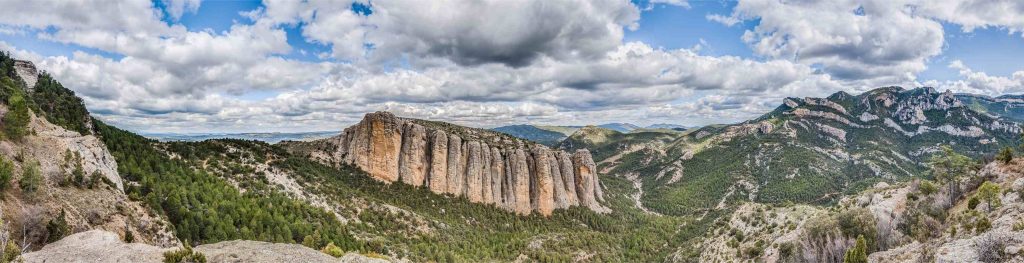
192	66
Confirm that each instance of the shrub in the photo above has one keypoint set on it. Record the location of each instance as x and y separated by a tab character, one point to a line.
128	236
184	255
1005	155
753	252
333	250
11	252
787	251
858	222
973	203
982	225
927	188
313	240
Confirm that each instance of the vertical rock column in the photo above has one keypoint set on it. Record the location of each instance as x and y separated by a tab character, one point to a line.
413	161
485	173
438	181
586	179
497	175
561	201
544	184
455	175
474	167
568	178
508	184
520	176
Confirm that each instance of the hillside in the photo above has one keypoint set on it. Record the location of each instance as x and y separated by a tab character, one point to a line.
810	150
970	216
205	193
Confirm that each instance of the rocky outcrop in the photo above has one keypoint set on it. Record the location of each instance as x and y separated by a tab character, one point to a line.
482	166
103	246
27	71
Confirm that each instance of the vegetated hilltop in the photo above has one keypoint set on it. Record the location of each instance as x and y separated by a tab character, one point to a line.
533	133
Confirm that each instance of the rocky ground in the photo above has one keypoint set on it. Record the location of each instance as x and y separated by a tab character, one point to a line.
757	232
103	246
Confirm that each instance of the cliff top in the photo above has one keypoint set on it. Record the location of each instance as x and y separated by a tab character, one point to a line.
492	138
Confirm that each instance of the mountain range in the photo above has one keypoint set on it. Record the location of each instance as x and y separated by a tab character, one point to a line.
805	182
553	135
268	137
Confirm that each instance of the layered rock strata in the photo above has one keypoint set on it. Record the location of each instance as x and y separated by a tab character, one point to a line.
482	166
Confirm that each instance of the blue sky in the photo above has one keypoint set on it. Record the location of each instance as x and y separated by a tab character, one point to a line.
240	66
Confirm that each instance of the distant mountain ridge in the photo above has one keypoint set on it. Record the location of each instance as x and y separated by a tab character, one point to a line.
620	126
1008	106
533	133
268	137
554	135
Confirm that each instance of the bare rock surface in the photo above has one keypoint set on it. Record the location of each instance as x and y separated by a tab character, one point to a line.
27	71
484	166
103	246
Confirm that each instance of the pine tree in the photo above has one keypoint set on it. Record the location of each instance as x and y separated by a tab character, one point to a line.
57	228
6	174
858	253
989	192
30	177
17	118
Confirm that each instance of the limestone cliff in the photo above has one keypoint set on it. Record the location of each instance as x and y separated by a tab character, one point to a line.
483	166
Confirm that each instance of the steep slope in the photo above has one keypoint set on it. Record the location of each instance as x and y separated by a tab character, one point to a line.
78	186
484	166
532	133
94	176
813	150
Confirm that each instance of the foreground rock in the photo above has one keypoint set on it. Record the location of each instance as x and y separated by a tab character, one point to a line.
481	165
103	246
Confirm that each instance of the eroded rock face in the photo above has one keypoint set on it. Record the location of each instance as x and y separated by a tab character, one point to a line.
27	71
512	174
414	156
